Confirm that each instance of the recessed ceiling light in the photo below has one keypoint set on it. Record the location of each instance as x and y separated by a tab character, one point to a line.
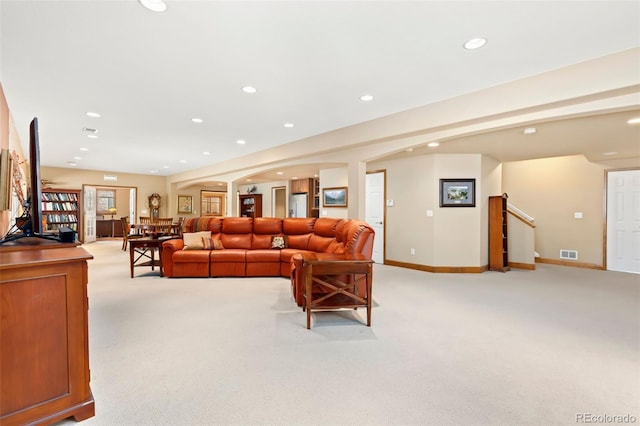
153	171
84	149
634	121
366	98
279	173
475	43
249	180
165	167
315	175
433	144
154	5
206	153
409	150
197	120
530	131
183	161
71	163
93	114
288	125
77	158
241	142
294	177
610	153
249	89
93	136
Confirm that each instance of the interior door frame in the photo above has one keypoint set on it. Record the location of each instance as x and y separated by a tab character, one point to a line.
274	190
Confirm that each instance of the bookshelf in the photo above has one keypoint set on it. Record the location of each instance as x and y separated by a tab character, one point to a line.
61	207
498	236
251	205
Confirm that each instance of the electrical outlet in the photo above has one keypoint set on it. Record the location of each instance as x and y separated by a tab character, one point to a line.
413	252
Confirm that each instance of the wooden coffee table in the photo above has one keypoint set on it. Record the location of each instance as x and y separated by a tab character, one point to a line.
332	283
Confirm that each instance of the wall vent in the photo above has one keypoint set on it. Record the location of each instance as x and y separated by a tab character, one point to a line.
569	254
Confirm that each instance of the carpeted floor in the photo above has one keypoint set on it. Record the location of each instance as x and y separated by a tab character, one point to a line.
536	347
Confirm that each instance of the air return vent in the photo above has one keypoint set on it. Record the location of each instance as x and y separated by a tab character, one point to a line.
569	254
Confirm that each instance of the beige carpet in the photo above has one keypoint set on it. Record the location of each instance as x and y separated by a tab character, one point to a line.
520	348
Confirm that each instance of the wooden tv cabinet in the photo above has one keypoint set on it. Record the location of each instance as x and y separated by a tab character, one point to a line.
44	343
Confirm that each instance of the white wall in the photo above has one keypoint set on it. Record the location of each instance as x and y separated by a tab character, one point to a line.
453	236
332	178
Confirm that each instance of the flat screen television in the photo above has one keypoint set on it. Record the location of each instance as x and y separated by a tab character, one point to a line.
30	224
35	190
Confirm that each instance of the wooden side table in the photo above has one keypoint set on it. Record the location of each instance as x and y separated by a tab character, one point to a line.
145	248
332	284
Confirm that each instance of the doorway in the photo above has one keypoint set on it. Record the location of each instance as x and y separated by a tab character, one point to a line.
279	204
103	206
622	230
375	189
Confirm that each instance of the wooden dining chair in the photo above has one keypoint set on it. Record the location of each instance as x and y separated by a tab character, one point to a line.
144	219
127	234
177	228
164	225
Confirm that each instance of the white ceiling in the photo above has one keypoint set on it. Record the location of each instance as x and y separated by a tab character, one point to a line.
149	74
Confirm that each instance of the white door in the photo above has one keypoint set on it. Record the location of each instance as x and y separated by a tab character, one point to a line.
623	221
374	212
89	214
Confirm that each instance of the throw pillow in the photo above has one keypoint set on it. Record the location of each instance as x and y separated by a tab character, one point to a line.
193	240
212	243
278	242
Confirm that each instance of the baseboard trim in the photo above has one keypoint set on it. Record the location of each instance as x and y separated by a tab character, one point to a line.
568	263
518	265
439	269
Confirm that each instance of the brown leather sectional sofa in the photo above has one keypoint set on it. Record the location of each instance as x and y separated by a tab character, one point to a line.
247	245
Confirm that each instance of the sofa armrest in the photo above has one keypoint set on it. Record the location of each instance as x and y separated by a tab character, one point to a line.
168	248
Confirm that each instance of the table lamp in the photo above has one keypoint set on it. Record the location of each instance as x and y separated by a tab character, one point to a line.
112	211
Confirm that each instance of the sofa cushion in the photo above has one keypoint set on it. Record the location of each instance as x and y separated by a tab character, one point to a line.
298	225
228	255
237	225
263	256
319	244
236	241
300	242
191	256
326	226
260	242
267	225
194	240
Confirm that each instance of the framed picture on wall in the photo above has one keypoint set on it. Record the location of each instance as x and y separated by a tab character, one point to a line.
457	192
334	197
185	204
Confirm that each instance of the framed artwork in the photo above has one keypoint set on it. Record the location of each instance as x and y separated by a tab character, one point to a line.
457	192
334	197
185	204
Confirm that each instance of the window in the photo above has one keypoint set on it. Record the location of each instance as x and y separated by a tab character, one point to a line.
106	200
213	203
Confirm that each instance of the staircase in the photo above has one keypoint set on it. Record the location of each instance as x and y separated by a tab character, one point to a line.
522	252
